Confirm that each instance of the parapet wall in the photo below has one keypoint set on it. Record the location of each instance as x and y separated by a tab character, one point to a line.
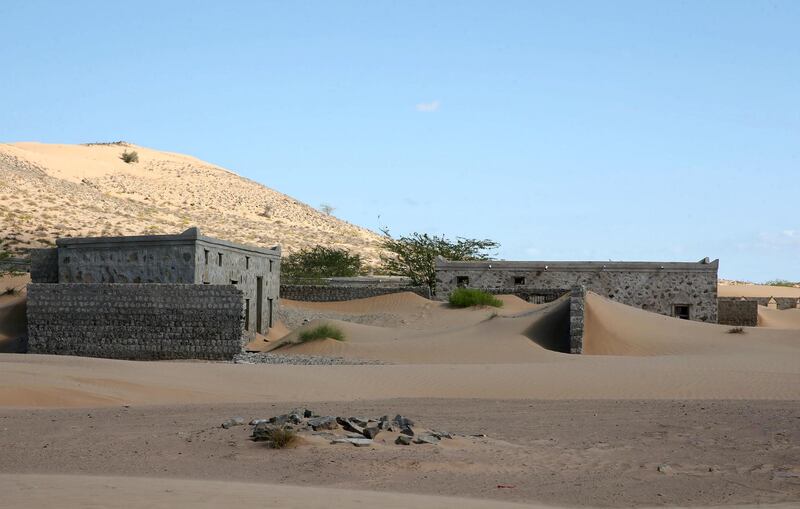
577	310
734	311
325	293
135	321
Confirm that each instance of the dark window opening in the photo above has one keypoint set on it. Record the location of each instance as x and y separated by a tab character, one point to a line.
220	260
206	253
519	280
206	283
681	311
246	262
270	265
234	282
269	311
259	304
462	281
246	314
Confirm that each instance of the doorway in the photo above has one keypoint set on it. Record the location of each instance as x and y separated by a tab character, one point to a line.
259	301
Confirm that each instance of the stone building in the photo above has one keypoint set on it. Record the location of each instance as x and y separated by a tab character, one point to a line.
152	296
683	290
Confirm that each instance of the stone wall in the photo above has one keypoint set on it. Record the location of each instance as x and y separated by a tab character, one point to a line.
324	293
735	311
44	265
135	321
656	287
577	305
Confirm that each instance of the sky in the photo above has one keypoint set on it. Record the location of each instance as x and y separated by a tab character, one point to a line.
565	130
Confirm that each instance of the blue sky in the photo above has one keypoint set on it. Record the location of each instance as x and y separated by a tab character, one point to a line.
564	130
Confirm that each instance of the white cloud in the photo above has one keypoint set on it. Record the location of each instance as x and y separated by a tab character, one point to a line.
429	107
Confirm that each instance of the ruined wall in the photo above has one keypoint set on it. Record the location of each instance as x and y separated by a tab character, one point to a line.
735	311
577	308
323	293
135	321
651	286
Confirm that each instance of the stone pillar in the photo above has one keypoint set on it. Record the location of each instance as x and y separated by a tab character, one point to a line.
577	298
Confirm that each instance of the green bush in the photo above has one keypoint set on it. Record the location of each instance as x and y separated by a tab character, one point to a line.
130	157
322	332
319	262
780	282
466	297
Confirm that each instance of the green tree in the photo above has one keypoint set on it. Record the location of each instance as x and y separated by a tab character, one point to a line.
414	256
320	262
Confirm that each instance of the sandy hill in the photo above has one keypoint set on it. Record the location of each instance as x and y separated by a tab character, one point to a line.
49	191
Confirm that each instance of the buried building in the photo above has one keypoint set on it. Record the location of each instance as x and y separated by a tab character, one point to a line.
683	290
151	297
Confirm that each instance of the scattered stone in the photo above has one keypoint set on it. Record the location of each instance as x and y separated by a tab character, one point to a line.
257	421
327	422
403	440
371	432
407	431
664	468
358	442
235	421
426	439
403	422
350	425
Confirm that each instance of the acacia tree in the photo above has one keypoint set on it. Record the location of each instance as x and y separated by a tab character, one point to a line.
320	262
414	255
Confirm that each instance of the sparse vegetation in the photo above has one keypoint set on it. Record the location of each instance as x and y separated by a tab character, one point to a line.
9	291
322	332
327	209
277	437
414	256
130	157
267	212
736	330
781	282
312	265
468	297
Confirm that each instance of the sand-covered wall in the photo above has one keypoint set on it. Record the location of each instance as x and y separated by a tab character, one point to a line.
336	293
656	287
135	321
733	311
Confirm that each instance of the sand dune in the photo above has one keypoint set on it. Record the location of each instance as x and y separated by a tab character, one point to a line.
778	318
757	291
49	191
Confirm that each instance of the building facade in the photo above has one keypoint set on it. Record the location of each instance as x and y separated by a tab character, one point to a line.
683	290
187	258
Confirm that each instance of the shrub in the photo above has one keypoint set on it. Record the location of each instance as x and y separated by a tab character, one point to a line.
130	157
736	330
321	262
327	209
276	437
466	297
322	332
780	282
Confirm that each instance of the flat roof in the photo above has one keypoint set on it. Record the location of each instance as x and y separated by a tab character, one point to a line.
190	236
704	265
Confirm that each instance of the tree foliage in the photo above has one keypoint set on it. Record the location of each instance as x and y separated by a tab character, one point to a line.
130	157
414	255
320	262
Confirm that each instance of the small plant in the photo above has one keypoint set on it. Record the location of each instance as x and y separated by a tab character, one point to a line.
130	157
327	209
736	330
9	291
322	332
267	212
275	436
467	297
780	282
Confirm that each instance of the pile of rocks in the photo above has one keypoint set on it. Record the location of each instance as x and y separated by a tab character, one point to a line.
303	360
357	431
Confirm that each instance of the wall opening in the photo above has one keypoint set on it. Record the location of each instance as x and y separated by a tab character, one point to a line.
246	262
259	300
246	314
206	254
519	280
234	282
220	259
270	265
269	313
462	281
681	311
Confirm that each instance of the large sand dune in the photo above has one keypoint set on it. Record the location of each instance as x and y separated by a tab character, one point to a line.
49	191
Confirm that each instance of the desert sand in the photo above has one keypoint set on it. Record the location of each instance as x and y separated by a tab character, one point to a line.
717	412
49	191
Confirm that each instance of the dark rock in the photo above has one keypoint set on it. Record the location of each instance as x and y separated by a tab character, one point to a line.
371	432
349	425
403	440
407	431
426	439
442	434
403	421
327	422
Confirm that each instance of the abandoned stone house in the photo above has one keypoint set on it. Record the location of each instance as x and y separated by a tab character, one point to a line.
153	296
683	290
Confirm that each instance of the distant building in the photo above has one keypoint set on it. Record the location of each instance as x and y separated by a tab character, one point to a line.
683	290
